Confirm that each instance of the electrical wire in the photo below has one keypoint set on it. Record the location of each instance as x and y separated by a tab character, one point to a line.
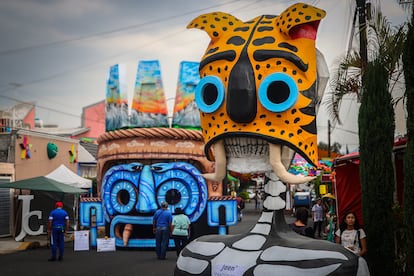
106	33
78	69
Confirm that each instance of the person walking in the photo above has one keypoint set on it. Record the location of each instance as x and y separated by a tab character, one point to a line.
58	224
351	235
258	200
161	225
240	207
180	229
318	217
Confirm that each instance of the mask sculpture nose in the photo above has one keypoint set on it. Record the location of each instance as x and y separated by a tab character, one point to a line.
241	94
146	198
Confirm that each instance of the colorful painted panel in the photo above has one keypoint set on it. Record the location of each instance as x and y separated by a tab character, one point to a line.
186	113
149	107
116	99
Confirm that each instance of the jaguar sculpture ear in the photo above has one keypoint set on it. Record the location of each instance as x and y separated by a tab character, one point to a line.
300	21
214	24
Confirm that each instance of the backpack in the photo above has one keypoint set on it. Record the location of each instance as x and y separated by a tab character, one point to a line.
358	235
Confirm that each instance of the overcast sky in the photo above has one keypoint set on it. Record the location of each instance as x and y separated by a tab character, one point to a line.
58	53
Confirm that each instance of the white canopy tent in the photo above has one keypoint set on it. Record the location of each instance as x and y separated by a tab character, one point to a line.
65	175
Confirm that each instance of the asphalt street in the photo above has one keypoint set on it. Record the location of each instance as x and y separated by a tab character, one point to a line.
33	262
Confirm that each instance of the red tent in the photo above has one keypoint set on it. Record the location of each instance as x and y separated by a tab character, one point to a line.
348	187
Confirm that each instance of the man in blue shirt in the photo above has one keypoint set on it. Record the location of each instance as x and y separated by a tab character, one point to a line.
161	224
57	225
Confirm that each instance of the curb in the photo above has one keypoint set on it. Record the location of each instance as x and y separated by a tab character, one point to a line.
28	245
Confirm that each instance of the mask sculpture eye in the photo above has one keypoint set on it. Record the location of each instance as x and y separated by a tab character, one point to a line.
209	94
278	92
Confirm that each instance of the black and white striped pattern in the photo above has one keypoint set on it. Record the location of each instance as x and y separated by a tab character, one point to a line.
270	248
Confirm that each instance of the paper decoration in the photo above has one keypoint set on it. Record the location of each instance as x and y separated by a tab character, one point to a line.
73	155
25	146
52	150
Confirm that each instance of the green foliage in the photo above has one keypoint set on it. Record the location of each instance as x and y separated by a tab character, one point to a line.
400	234
376	135
244	195
316	183
408	61
384	42
335	147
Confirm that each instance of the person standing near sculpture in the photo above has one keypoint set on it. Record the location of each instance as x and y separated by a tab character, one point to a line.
161	226
257	200
351	235
180	230
58	224
300	225
318	217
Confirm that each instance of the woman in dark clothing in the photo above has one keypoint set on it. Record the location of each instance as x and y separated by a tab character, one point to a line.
300	226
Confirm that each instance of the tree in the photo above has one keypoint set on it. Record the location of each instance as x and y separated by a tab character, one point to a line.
335	147
373	87
376	138
408	62
383	41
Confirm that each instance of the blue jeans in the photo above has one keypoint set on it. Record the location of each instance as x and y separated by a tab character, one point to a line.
58	241
162	238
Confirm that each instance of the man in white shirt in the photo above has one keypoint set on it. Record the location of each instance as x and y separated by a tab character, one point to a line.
317	216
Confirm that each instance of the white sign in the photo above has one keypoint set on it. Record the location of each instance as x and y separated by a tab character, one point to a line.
103	245
26	214
81	240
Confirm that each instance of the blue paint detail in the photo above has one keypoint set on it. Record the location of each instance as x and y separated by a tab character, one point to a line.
178	183
93	235
119	206
118	178
141	243
135	220
85	211
288	103
146	199
147	242
182	177
222	230
213	212
203	87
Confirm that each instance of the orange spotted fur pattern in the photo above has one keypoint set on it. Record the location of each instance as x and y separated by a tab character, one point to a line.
242	55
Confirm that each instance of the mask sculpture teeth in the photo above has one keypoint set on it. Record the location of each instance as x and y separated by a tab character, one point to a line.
264	155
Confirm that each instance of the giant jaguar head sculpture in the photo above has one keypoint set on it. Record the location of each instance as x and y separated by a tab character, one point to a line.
261	85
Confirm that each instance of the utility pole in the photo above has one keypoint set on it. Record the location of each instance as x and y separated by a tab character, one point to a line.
362	36
329	138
